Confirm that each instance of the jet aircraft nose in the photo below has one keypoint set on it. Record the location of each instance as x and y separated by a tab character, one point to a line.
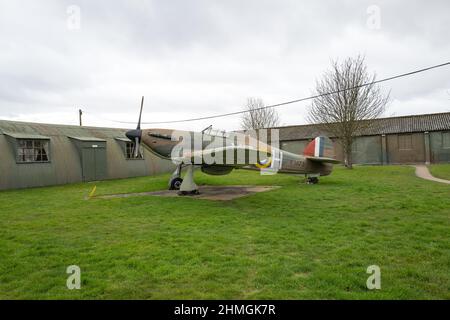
133	134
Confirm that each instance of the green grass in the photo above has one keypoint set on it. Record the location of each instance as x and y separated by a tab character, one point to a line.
440	170
297	242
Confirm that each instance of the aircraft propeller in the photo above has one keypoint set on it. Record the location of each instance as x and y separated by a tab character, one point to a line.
135	135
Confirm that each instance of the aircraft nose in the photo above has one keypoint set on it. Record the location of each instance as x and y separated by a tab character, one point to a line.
133	134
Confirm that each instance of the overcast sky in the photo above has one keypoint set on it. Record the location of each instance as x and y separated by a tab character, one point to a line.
199	58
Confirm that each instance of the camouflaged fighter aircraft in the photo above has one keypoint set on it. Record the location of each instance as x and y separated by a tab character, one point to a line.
218	153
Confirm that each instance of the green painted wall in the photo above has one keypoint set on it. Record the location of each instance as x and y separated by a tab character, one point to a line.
367	150
440	146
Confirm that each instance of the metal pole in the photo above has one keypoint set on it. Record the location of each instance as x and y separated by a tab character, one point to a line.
80	114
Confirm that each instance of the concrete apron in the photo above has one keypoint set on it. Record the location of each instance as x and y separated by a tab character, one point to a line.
220	193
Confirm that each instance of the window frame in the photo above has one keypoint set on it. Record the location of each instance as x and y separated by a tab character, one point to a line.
34	148
129	151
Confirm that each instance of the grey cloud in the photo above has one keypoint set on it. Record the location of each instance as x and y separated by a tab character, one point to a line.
194	58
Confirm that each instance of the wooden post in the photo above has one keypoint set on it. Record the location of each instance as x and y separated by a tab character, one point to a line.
80	114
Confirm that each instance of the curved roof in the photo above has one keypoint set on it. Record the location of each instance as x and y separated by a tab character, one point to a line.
30	129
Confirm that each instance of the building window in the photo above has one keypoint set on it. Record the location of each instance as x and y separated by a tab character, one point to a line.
405	142
129	149
446	140
32	150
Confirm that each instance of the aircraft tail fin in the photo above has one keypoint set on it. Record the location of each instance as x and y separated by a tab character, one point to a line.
321	147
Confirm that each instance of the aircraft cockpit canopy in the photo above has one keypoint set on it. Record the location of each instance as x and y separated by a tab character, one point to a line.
215	132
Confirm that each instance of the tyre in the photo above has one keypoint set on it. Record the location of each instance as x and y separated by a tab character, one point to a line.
313	180
175	183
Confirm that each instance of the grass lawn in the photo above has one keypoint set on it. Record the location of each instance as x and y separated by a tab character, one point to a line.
440	170
297	242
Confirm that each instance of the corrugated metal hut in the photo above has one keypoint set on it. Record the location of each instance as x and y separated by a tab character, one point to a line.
35	154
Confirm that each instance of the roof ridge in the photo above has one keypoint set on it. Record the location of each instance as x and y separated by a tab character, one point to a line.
59	124
376	119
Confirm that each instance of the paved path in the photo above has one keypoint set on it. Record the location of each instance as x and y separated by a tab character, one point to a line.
423	172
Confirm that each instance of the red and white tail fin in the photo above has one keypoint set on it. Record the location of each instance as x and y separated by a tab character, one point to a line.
320	147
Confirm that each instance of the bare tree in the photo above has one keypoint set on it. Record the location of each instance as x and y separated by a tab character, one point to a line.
344	107
257	118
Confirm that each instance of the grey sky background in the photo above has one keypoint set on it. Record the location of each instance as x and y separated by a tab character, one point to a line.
199	58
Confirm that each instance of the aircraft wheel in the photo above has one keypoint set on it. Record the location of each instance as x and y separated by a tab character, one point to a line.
175	183
313	180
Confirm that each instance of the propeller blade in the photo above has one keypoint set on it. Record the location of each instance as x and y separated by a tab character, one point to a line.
136	147
140	114
135	135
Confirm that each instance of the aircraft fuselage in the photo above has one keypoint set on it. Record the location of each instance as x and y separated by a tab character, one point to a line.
162	142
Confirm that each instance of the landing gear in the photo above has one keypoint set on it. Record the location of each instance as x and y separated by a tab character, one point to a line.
188	186
312	179
175	183
175	180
